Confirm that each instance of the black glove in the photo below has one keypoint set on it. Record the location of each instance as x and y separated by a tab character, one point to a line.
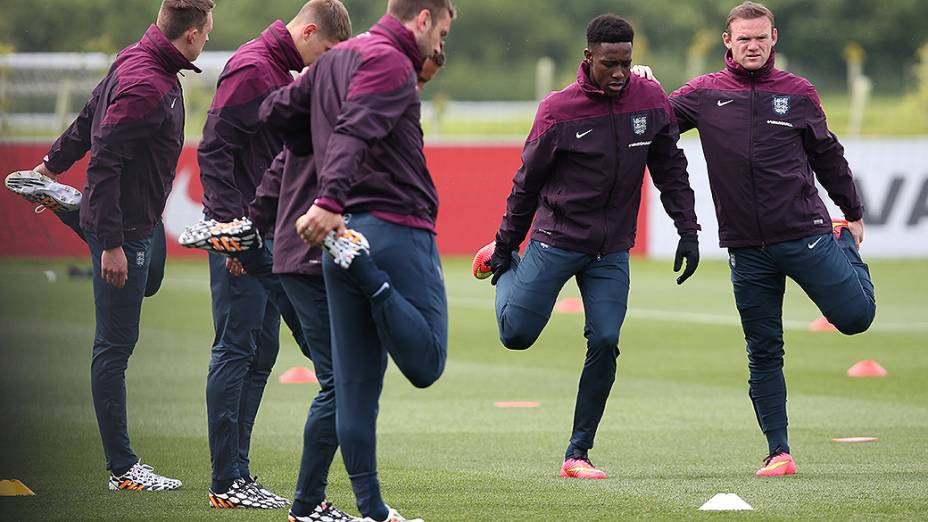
499	263
687	248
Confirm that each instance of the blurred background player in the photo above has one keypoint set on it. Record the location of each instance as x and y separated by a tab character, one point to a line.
234	153
764	135
582	169
133	127
358	109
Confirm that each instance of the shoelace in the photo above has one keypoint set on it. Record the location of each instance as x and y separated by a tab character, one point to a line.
39	209
770	457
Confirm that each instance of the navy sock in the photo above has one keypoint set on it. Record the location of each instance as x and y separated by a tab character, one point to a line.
221	486
777	441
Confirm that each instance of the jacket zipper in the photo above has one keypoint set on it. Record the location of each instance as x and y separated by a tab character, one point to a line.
615	178
751	159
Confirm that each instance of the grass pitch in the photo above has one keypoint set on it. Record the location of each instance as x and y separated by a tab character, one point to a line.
678	429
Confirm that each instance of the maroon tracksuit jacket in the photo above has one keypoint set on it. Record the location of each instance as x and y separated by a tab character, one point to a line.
583	164
763	134
362	122
236	147
133	126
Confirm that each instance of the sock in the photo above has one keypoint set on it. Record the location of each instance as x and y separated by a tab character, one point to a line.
221	486
777	441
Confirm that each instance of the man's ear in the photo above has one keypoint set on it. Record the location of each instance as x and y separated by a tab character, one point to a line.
424	20
309	29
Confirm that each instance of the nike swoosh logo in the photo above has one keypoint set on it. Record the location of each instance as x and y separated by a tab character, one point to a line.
776	465
582	134
812	245
720	103
173	102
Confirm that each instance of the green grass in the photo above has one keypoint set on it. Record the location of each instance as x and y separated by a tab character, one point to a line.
678	428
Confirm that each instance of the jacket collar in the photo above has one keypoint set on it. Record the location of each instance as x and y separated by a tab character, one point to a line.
735	68
282	47
591	89
157	44
402	37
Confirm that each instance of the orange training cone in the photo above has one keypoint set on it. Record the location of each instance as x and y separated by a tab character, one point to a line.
298	375
866	368
570	305
822	325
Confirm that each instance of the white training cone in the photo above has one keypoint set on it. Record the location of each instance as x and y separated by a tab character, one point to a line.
726	502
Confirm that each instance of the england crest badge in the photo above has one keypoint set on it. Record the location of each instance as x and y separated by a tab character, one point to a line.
640	123
781	105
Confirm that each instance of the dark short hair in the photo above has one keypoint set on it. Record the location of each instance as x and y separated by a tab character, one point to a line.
609	28
748	11
177	16
406	10
330	16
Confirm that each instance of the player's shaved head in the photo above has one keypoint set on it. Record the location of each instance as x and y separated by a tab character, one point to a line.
330	16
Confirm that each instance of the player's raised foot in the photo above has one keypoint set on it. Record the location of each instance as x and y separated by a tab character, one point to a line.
236	236
266	492
324	512
482	268
393	516
837	225
581	468
346	247
42	190
777	465
141	477
242	494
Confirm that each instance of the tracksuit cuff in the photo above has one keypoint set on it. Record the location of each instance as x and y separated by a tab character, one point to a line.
329	204
854	214
111	240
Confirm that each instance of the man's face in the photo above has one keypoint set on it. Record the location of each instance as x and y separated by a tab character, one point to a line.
431	33
197	38
750	41
609	65
311	44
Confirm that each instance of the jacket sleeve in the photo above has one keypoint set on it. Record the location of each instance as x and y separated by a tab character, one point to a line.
667	165
128	123
75	141
263	209
286	112
538	156
377	99
228	130
826	156
685	103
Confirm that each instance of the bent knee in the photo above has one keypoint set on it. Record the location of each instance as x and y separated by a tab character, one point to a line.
518	340
855	324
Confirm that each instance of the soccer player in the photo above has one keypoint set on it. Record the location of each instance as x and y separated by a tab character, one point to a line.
357	108
234	153
764	135
133	127
299	268
582	169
